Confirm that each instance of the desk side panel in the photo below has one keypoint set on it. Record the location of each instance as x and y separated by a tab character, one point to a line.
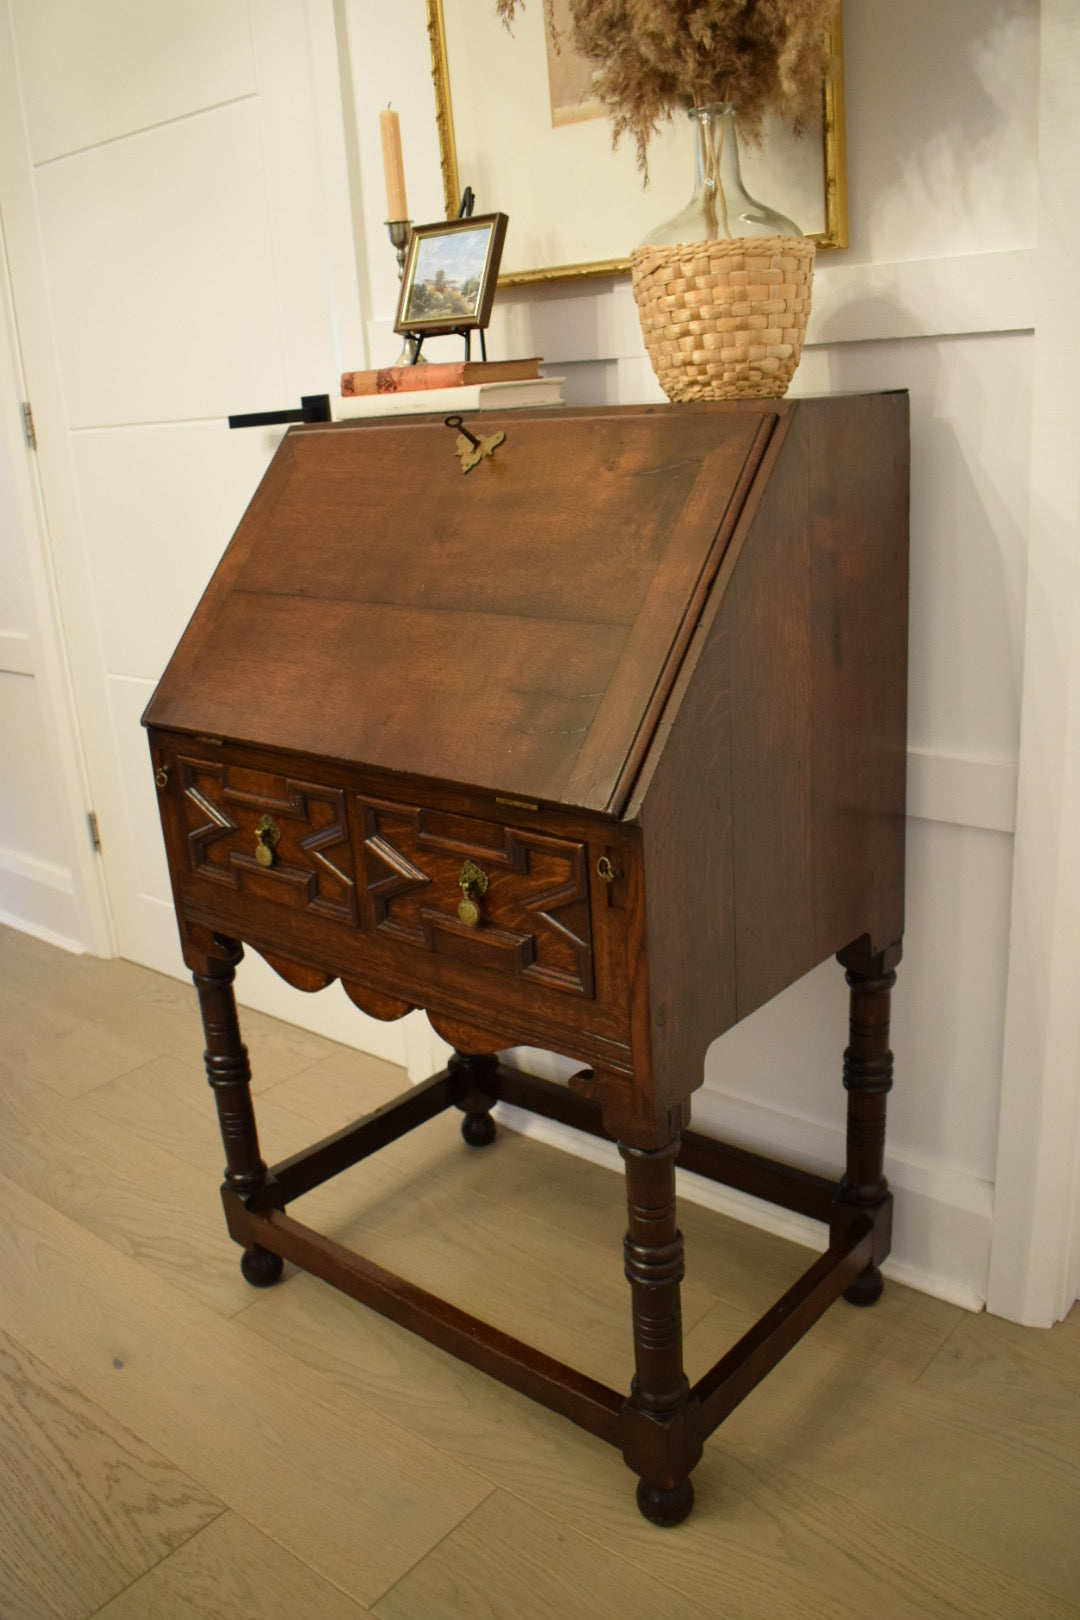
689	862
772	814
857	453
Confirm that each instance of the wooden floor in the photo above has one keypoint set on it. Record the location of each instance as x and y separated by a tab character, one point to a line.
174	1444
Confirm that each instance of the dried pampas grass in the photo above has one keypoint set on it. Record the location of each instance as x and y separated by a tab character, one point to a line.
654	56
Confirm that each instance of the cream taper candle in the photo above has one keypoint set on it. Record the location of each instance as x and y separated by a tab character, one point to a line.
396	206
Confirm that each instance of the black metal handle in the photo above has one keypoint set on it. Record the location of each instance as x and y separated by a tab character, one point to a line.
313	408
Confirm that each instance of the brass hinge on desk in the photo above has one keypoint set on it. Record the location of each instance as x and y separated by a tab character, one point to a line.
95	834
29	431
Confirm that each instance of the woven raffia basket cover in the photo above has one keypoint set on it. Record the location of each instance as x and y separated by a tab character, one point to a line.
724	319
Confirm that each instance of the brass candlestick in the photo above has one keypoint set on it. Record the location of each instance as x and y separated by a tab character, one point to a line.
399	231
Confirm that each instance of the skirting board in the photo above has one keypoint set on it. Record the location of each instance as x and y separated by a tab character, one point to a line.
36	930
941	1232
38	897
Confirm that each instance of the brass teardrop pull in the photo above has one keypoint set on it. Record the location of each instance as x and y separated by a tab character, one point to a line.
473	884
267	838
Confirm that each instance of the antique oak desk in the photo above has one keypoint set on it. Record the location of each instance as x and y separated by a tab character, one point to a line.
594	749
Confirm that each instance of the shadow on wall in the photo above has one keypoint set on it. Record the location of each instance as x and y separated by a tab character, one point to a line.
941	113
970	449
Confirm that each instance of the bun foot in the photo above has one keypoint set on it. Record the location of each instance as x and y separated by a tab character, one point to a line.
866	1288
261	1268
663	1505
478	1129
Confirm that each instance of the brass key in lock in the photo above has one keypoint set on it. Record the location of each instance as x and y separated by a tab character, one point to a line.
469	449
267	838
473	884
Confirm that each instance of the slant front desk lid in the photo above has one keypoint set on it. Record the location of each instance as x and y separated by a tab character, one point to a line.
515	629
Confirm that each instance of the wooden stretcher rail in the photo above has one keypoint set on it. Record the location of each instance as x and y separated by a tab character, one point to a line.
773	1335
309	1168
769	1179
591	1405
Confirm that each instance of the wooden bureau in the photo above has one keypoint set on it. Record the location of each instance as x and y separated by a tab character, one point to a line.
595	749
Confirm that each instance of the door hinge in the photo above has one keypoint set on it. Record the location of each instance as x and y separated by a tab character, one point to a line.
95	834
28	424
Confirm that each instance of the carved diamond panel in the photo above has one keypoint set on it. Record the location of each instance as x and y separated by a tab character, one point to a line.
533	916
310	864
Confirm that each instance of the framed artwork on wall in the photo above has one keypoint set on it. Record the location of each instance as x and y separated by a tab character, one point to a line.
516	123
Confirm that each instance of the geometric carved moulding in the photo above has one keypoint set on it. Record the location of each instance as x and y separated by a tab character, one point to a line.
269	836
532	916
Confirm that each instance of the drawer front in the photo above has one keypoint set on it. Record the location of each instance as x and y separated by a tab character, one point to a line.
270	839
505	899
522	930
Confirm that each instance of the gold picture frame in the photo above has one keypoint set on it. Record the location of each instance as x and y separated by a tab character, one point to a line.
450	275
476	65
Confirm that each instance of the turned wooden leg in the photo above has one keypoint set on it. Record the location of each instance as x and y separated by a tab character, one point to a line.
868	1078
476	1102
660	1441
229	1074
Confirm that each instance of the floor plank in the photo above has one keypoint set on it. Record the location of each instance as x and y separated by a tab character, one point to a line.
337	1486
231	1572
49	1045
141	1010
919	1460
507	1559
170	1108
145	1202
767	1543
85	1505
1020	1380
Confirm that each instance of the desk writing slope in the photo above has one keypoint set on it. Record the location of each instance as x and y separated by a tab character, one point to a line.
503	630
593	749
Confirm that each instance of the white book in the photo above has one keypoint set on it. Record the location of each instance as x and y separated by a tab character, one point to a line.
490	396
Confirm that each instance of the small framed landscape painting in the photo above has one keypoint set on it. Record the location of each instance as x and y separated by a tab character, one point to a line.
450	275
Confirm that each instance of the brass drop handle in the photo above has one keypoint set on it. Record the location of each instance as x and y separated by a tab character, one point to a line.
267	838
473	884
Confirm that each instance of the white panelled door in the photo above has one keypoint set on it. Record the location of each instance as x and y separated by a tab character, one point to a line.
49	882
175	214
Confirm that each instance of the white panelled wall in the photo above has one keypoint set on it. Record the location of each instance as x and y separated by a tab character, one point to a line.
943	291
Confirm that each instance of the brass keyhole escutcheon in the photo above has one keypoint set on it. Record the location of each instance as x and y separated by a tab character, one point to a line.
607	869
267	838
469	449
473	884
